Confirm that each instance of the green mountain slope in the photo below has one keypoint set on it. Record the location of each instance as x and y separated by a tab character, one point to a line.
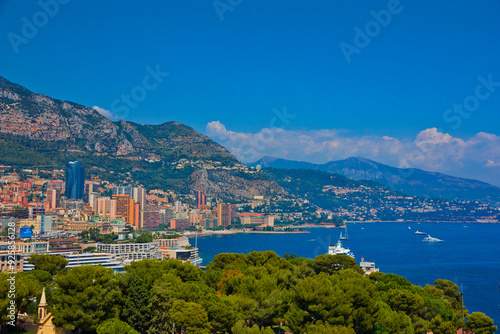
39	130
369	200
411	181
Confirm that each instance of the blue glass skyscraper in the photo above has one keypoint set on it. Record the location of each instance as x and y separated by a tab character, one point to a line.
75	180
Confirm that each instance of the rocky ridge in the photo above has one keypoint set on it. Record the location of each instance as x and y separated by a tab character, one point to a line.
57	131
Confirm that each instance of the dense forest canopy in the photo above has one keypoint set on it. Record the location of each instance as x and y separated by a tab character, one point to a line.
255	293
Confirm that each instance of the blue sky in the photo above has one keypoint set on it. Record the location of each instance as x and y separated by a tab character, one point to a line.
230	63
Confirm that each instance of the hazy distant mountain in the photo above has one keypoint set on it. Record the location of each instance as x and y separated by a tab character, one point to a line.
38	130
411	181
370	200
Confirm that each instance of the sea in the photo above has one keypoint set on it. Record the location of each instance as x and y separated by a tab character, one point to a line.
469	255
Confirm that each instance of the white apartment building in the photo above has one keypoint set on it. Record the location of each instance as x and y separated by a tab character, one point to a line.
132	252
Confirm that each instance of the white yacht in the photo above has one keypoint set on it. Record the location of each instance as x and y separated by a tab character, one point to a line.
195	257
196	260
428	238
417	232
339	250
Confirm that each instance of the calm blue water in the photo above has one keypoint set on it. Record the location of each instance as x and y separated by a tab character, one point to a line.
468	256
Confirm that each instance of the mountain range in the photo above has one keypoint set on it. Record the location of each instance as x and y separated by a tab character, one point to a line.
410	181
39	130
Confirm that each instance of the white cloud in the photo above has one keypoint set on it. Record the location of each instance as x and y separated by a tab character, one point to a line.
106	113
432	149
491	163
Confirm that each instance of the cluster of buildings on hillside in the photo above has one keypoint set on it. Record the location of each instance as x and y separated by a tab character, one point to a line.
76	204
48	212
48	215
207	164
381	204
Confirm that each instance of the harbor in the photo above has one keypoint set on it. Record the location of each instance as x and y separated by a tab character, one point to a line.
394	249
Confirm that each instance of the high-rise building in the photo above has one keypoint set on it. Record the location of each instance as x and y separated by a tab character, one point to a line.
54	197
122	202
201	200
137	216
194	218
90	187
224	214
153	216
234	212
123	190
137	193
125	207
75	180
105	207
92	199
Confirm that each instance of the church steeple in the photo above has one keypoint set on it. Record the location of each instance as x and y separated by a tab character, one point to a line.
42	307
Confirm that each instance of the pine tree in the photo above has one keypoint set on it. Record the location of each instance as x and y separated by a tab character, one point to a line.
136	311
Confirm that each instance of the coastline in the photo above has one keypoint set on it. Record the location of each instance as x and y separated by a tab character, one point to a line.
303	228
210	233
275	232
418	222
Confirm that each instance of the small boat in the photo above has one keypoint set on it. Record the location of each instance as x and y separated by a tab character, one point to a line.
409	227
428	238
417	232
339	250
196	261
344	236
